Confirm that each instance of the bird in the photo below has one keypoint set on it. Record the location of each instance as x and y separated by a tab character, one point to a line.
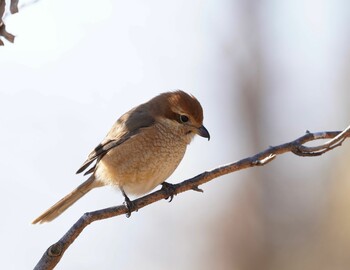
141	150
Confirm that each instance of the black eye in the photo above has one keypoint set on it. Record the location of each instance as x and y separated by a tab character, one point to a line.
183	118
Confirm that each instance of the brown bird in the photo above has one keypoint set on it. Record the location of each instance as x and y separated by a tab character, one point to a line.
142	149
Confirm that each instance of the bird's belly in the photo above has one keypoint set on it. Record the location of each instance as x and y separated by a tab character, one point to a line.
138	171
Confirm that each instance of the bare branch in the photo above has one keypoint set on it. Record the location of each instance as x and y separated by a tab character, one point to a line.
55	252
14	6
3	32
2	8
3	15
6	34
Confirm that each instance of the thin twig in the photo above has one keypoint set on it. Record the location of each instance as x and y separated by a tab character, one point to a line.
3	32
55	252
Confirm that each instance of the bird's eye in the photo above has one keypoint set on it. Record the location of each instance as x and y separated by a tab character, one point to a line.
183	118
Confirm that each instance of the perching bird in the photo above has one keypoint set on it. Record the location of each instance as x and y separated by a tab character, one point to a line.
142	149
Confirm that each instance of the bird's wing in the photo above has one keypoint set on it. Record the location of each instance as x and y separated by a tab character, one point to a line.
127	126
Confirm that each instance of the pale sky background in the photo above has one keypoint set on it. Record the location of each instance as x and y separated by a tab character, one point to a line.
76	66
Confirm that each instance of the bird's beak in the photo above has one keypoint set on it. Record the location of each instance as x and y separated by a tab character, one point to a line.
203	132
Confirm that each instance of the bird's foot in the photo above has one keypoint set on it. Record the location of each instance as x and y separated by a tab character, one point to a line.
169	190
130	205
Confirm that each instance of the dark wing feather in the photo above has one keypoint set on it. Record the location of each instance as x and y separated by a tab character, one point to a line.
99	152
127	126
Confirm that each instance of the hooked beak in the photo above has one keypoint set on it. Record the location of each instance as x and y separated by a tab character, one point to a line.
203	132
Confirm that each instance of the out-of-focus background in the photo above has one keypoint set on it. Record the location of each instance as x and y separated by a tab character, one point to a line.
264	71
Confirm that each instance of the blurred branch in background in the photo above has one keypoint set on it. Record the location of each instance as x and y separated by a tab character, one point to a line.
55	252
243	244
276	215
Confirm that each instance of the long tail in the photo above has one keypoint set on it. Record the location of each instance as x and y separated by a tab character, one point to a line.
59	207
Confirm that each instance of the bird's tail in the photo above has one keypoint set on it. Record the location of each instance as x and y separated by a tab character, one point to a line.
59	207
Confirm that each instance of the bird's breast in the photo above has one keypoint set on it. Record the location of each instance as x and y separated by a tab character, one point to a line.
143	161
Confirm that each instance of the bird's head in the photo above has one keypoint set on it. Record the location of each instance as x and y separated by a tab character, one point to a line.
182	112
